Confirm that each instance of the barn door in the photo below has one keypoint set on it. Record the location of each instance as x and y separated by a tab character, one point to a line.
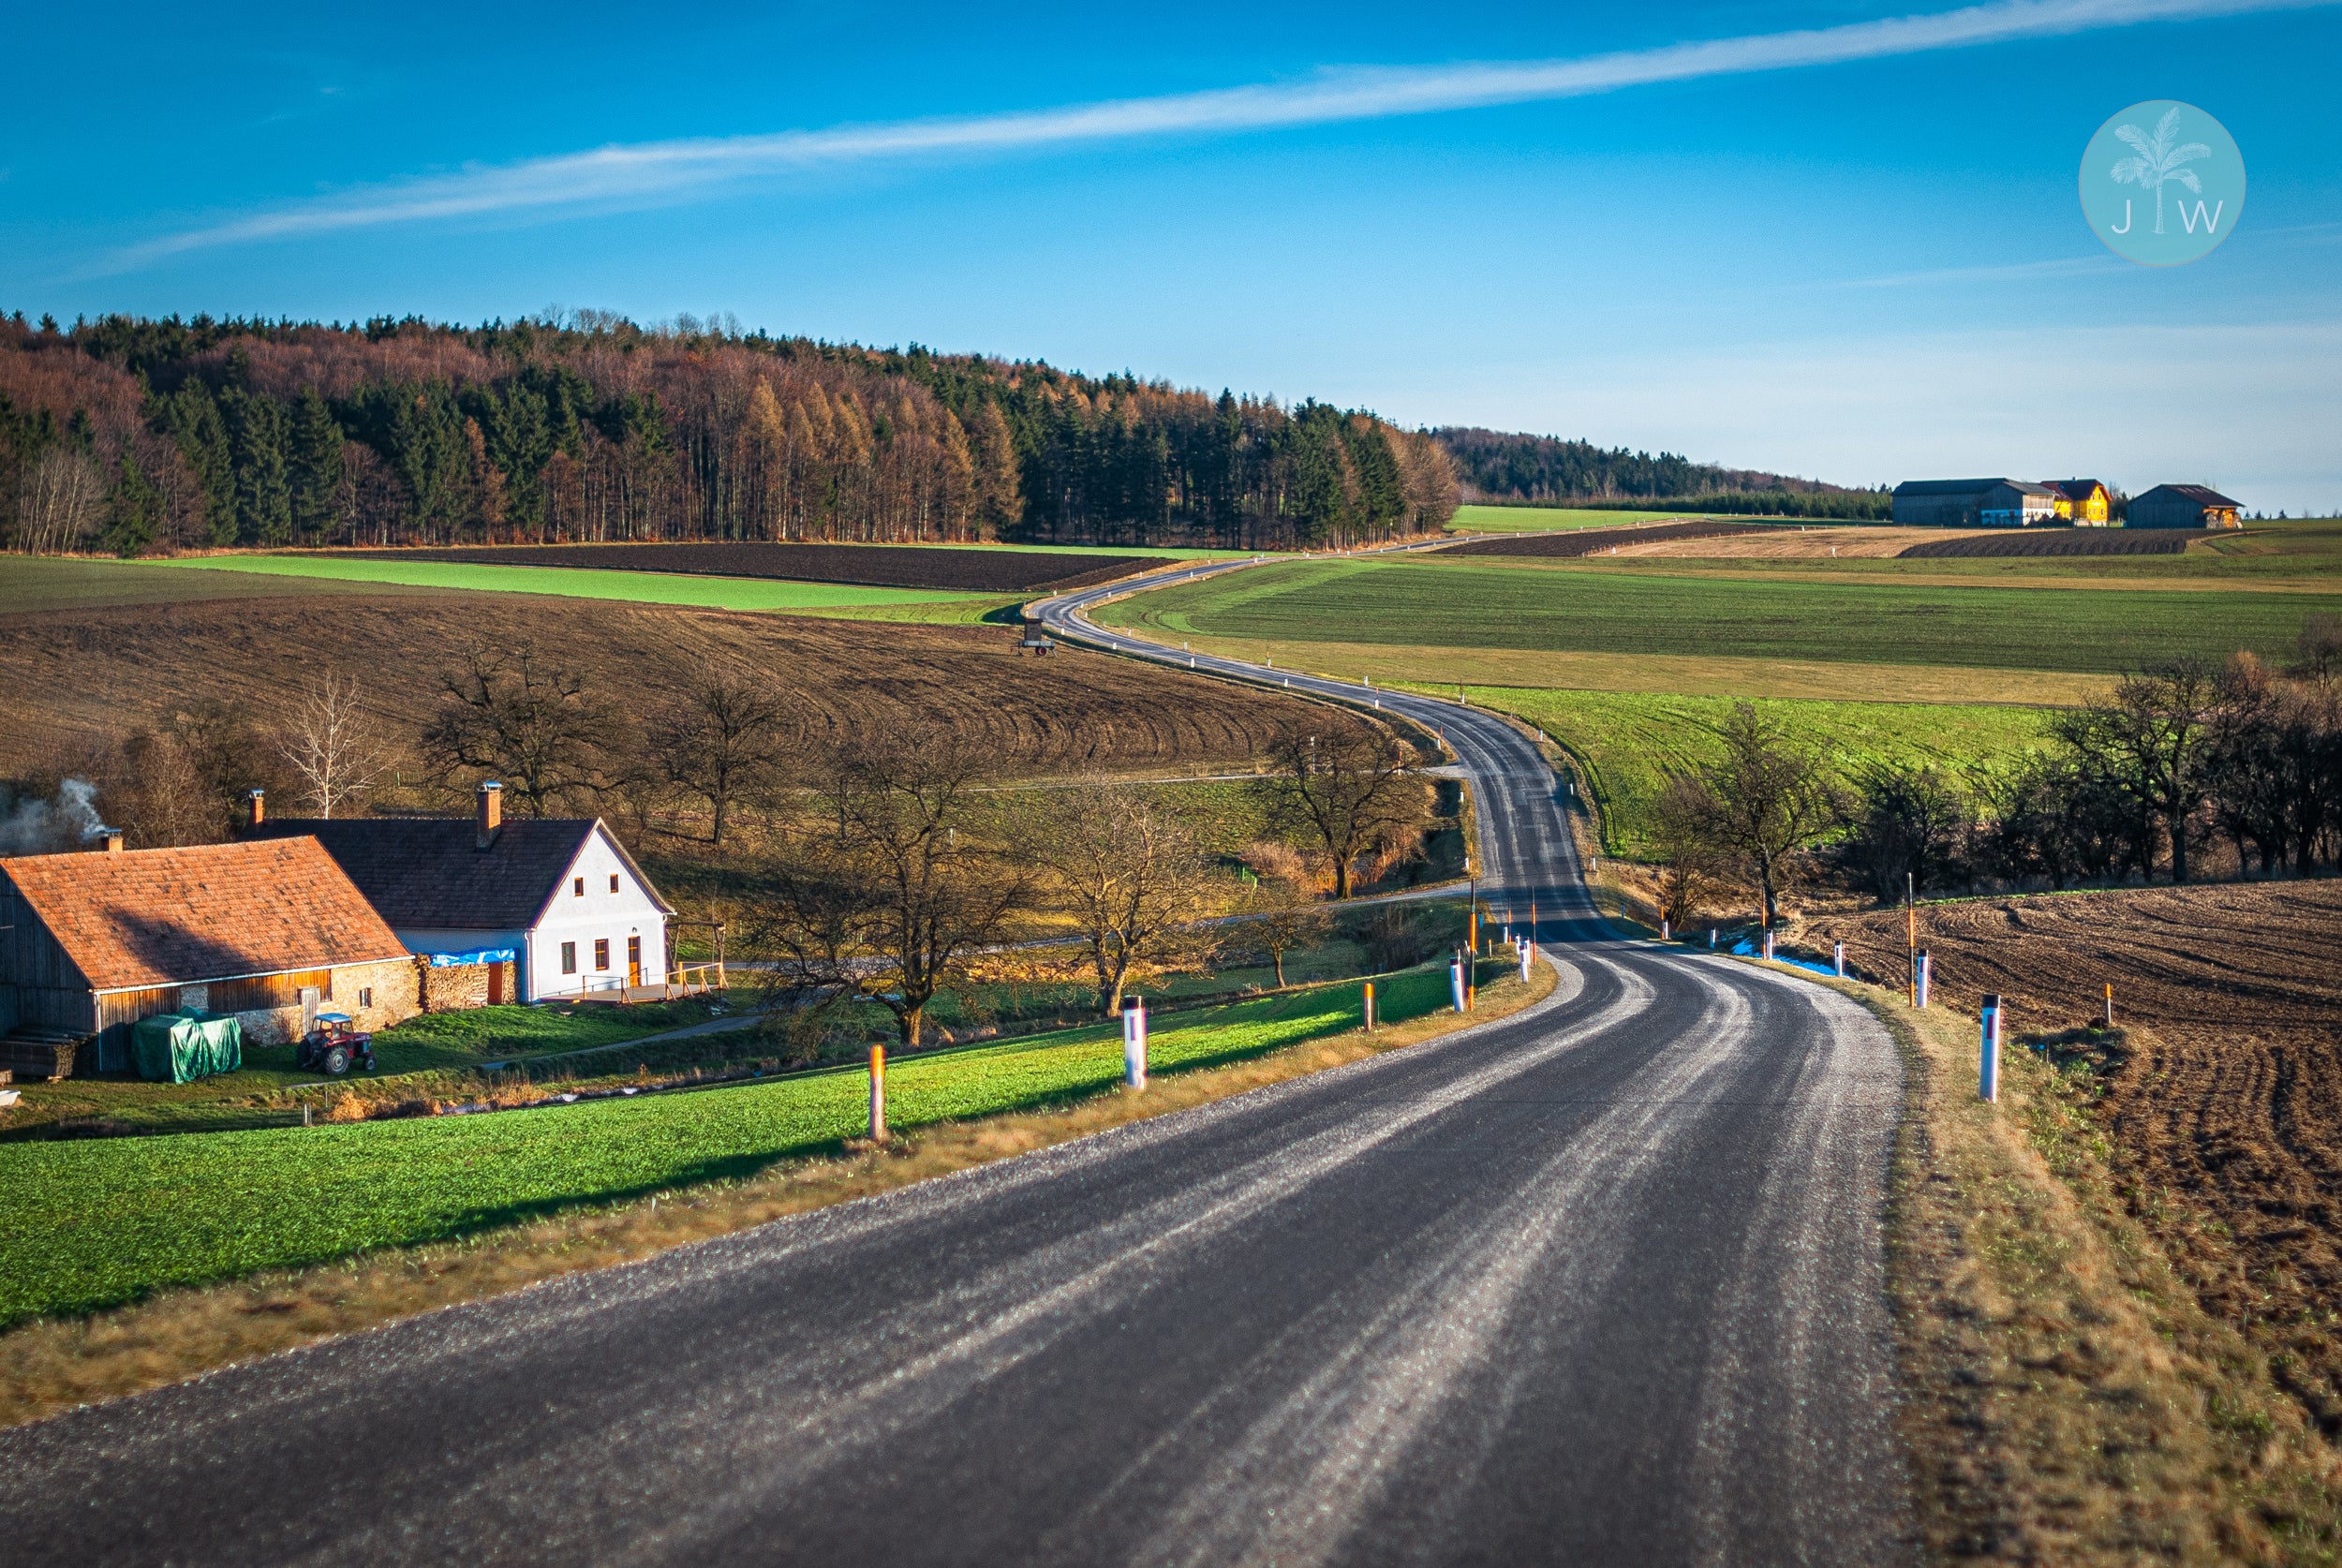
310	997
633	962
496	985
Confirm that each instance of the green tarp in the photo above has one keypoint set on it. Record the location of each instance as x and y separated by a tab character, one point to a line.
177	1047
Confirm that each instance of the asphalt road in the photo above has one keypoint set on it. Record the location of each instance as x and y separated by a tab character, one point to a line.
1600	1283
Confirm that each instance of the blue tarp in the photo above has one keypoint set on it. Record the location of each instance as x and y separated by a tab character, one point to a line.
479	955
1748	950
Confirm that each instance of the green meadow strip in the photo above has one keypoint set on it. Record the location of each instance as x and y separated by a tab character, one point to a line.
97	1223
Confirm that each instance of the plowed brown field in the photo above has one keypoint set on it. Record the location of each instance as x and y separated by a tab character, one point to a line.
69	678
2223	1099
975	570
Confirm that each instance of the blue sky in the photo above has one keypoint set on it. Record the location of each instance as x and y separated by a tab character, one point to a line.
1807	237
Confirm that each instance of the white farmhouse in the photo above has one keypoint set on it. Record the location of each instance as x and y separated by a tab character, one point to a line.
516	911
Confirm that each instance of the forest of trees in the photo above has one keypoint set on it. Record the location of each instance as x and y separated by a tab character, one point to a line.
1497	468
133	437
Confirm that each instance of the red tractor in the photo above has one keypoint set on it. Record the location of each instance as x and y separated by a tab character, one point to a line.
333	1044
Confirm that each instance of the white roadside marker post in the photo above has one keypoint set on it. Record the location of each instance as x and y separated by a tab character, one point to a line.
1667	929
1838	958
1135	1043
1456	980
1924	976
1987	1055
1528	954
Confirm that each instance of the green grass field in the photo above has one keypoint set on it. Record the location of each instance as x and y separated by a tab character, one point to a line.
1463	604
1538	520
1630	743
640	587
94	1223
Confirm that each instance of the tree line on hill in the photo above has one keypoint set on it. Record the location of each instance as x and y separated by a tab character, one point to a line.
2178	760
1502	468
130	435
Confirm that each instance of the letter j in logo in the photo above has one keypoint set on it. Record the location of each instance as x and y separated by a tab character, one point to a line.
2162	184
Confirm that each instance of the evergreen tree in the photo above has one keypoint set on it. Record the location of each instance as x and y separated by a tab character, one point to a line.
316	468
191	418
133	512
256	443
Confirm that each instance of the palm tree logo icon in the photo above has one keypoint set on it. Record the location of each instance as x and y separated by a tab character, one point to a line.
2157	160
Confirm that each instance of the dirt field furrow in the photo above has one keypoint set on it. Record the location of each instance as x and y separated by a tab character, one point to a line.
2221	1095
73	680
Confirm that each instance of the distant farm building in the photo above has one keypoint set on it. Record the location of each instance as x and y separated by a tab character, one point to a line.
266	932
503	912
2079	501
1978	503
2182	506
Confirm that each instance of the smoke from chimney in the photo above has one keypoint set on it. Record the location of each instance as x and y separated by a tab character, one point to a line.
39	827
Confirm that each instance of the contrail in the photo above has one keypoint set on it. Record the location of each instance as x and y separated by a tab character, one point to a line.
669	169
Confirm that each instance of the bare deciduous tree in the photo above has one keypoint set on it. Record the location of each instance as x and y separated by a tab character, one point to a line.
1282	917
1132	879
896	880
722	740
1692	866
332	745
1351	785
1765	801
520	719
2151	740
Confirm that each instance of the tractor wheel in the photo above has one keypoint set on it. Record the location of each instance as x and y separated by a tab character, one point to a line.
337	1060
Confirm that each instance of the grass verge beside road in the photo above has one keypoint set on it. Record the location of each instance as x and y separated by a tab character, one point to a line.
2066	1399
55	1363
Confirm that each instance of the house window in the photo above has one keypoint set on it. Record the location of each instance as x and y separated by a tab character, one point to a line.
613	882
602	953
365	998
577	887
568	957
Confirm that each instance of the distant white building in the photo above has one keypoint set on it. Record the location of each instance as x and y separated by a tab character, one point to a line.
514	911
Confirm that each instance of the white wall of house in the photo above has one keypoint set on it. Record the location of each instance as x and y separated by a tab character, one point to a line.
587	909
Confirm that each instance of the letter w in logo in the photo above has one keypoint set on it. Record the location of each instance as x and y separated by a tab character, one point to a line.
2211	225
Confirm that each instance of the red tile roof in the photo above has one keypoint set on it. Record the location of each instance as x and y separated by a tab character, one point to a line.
213	911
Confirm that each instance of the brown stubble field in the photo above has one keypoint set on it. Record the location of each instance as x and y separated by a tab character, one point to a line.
2220	1095
74	679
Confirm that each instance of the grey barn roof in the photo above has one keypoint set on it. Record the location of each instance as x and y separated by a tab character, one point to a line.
1968	487
430	872
2203	495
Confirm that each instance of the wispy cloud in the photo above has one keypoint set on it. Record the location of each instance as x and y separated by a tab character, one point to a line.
678	170
2006	271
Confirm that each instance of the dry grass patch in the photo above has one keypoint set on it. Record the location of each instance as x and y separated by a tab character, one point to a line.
2068	1401
50	1365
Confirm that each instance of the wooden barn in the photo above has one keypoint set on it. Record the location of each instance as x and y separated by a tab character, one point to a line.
2182	506
269	932
1978	503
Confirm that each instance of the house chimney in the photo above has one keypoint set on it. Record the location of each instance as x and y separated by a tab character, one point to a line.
259	809
112	839
491	812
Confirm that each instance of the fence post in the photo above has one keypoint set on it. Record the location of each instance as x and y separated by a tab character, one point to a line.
878	1093
1366	1006
1919	982
1135	1043
1456	980
1838	957
1988	1054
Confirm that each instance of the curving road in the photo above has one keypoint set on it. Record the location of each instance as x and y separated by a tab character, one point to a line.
1599	1283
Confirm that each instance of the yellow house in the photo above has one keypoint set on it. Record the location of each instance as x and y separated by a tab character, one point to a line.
2081	502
